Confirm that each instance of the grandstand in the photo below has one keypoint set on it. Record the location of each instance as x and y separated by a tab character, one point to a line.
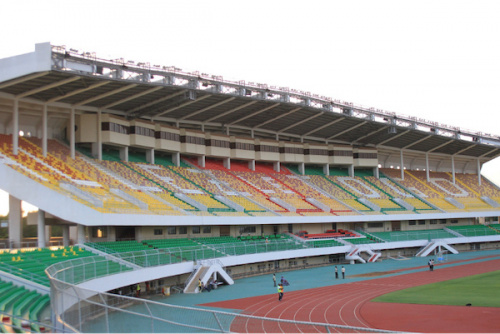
156	174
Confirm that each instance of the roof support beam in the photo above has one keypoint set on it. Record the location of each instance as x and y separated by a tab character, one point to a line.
157	101
230	111
393	137
207	108
324	126
254	113
78	91
23	79
347	130
439	146
465	149
275	118
179	106
149	91
298	123
46	87
416	142
98	97
371	133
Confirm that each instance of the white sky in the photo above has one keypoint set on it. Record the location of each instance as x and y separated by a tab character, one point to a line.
437	60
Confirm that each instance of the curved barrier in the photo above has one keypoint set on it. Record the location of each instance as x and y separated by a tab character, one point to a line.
83	310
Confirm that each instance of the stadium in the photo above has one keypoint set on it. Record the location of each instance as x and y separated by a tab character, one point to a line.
161	179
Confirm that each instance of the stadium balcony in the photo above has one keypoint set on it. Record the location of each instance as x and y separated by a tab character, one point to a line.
413	235
474	230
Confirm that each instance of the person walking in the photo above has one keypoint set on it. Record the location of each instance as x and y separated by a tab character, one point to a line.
280	291
432	264
200	285
343	272
274	279
336	272
138	290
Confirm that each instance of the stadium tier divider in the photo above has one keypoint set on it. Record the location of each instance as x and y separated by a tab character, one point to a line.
414	235
474	230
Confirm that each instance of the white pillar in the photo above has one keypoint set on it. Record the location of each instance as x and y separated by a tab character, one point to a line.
99	135
111	233
326	169
453	168
251	165
48	233
81	234
124	153
72	132
44	130
351	170
302	168
427	167
276	166
176	159
201	161
402	165
15	227
479	172
150	156
65	235
226	163
41	236
73	233
15	128
376	172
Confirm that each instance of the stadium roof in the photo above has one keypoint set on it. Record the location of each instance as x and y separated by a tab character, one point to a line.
62	79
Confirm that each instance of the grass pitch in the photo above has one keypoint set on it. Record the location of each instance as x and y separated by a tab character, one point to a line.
477	290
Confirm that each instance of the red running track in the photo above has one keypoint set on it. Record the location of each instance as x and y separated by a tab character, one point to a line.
350	304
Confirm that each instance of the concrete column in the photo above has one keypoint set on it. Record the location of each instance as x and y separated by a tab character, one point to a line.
73	234
41	236
201	161
111	233
44	130
65	235
351	170
276	166
48	233
124	153
479	172
15	227
376	172
427	167
15	128
302	168
99	135
453	168
150	156
402	163
326	169
81	234
72	132
176	159
226	163
251	165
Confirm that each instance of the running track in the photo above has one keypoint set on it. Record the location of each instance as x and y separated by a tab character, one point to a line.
349	304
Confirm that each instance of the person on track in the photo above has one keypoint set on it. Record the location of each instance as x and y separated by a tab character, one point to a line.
280	291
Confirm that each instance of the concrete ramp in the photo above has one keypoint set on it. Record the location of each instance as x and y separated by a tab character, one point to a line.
431	246
207	270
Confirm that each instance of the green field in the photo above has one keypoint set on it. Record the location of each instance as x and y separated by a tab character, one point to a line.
478	290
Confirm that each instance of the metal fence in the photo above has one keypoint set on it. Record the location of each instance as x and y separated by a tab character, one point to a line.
171	255
81	310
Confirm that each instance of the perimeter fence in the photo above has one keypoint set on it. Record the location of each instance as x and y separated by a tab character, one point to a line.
82	310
